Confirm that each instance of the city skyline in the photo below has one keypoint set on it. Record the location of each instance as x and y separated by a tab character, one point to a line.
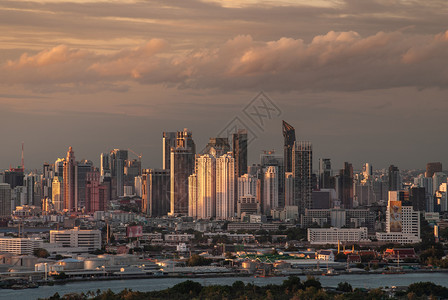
254	156
358	80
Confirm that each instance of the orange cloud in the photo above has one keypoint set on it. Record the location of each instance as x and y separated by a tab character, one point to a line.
334	61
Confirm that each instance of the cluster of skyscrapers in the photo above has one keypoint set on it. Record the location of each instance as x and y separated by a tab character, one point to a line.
217	182
69	185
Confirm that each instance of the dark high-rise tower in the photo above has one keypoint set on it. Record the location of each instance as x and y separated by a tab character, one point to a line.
433	167
181	167
169	141
417	196
118	160
70	182
394	178
240	159
325	180
14	177
156	192
302	170
289	137
345	186
240	152
83	167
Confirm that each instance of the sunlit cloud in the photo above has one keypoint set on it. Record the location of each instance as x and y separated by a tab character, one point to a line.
333	61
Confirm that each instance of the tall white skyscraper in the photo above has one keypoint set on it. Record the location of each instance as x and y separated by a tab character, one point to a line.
193	196
58	193
247	185
225	187
270	189
206	186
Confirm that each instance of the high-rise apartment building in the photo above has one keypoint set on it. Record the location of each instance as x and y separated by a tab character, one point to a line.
325	179
289	189
270	189
433	167
132	170
83	168
402	222
247	185
168	141
417	196
59	167
206	186
225	187
47	179
14	177
302	161
57	187
268	158
96	193
193	196
437	179
5	200
367	171
70	182
345	186
240	152
32	182
217	147
182	166
156	192
104	164
118	159
289	138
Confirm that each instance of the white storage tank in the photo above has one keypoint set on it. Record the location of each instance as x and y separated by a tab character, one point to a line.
94	263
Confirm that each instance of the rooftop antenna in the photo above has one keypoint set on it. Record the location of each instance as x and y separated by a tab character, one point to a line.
23	161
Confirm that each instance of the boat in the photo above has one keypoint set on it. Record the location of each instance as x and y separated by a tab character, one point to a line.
330	272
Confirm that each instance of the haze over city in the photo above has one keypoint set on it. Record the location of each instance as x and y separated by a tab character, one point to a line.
364	81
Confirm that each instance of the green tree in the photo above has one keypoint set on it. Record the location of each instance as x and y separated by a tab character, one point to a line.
41	253
188	287
312	282
292	284
344	287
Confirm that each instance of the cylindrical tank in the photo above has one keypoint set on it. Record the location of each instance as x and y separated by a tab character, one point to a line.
94	263
39	267
72	264
249	265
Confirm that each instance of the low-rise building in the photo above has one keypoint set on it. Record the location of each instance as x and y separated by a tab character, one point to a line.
326	255
90	239
179	237
334	235
19	245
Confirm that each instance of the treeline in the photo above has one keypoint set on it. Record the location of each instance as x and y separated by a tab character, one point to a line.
292	288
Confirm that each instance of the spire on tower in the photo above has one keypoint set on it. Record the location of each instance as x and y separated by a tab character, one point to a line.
23	160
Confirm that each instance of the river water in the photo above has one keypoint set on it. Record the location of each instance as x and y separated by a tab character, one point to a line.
152	284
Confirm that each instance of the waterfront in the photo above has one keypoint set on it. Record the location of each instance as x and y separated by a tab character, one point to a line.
361	281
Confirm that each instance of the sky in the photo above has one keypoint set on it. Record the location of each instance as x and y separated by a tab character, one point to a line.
364	81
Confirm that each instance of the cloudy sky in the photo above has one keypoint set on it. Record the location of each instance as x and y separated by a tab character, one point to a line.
364	81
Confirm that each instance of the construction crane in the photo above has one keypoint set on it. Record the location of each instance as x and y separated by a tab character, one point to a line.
136	154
